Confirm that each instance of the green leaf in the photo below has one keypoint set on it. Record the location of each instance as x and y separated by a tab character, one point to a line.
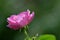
46	37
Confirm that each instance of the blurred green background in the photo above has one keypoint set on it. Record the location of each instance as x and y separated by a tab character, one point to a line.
46	21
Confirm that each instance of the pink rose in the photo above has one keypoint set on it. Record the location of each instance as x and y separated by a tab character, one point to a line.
16	22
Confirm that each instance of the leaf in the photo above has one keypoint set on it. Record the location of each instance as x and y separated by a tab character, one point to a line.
46	37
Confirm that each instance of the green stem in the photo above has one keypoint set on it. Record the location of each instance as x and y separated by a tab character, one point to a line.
25	31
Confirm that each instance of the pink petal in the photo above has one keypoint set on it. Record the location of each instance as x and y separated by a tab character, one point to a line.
31	17
28	12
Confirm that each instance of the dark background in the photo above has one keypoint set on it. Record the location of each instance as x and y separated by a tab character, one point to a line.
46	20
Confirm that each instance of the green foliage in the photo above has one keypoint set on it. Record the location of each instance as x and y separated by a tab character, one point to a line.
46	37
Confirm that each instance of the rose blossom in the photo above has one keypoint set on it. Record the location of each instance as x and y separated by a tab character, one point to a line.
16	22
